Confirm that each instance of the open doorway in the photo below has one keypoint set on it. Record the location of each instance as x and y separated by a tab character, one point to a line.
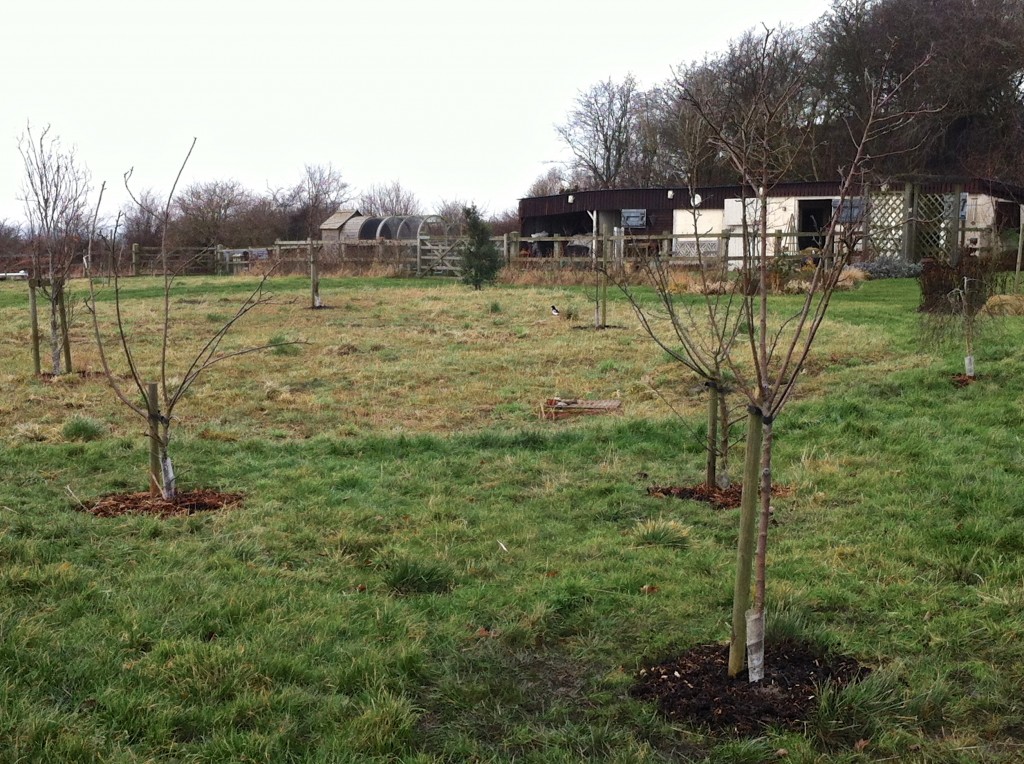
813	217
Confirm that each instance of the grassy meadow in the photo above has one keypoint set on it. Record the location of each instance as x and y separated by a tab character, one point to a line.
424	570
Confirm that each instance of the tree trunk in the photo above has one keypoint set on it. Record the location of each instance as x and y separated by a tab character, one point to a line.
761	557
745	546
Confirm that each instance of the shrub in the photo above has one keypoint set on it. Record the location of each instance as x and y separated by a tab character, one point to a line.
890	268
942	285
281	345
481	260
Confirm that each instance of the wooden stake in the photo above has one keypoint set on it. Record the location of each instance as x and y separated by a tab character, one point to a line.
153	406
33	310
314	277
64	334
711	471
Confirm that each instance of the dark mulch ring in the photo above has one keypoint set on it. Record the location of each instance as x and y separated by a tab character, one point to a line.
695	687
49	376
719	498
185	503
962	380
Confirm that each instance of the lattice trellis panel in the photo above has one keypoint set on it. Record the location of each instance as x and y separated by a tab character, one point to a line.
704	249
933	232
888	219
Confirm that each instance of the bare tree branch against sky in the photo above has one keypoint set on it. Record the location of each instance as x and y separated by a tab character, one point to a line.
454	99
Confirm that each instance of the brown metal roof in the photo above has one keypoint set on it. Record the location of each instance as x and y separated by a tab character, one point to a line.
713	197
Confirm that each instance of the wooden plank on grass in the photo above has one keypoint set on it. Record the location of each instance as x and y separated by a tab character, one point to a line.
559	408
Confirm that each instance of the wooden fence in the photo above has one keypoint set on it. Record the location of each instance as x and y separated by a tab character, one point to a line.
440	256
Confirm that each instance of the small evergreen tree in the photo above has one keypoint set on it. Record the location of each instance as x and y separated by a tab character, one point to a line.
481	260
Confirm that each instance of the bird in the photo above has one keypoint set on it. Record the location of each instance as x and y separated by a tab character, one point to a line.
554	311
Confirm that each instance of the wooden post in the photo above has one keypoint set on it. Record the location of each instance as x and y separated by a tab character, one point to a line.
314	276
745	545
33	311
153	407
1020	250
711	471
952	226
909	227
65	336
777	245
604	283
135	259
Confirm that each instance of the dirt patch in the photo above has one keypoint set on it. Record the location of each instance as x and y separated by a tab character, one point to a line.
695	688
185	503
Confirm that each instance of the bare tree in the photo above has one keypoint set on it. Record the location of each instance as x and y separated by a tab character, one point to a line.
318	194
209	213
506	221
55	193
382	200
755	118
453	211
600	131
549	183
160	398
140	222
11	237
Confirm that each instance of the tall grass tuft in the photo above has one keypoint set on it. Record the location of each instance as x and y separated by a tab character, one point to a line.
858	711
407	576
82	428
661	532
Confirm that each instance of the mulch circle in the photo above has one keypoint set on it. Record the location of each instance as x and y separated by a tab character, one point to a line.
185	503
719	498
695	688
962	380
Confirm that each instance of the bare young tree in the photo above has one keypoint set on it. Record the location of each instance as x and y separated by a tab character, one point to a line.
755	116
55	193
382	200
160	398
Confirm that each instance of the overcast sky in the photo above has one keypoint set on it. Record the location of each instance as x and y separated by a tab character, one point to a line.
452	98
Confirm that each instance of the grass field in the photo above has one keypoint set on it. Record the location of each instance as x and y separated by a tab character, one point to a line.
423	570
